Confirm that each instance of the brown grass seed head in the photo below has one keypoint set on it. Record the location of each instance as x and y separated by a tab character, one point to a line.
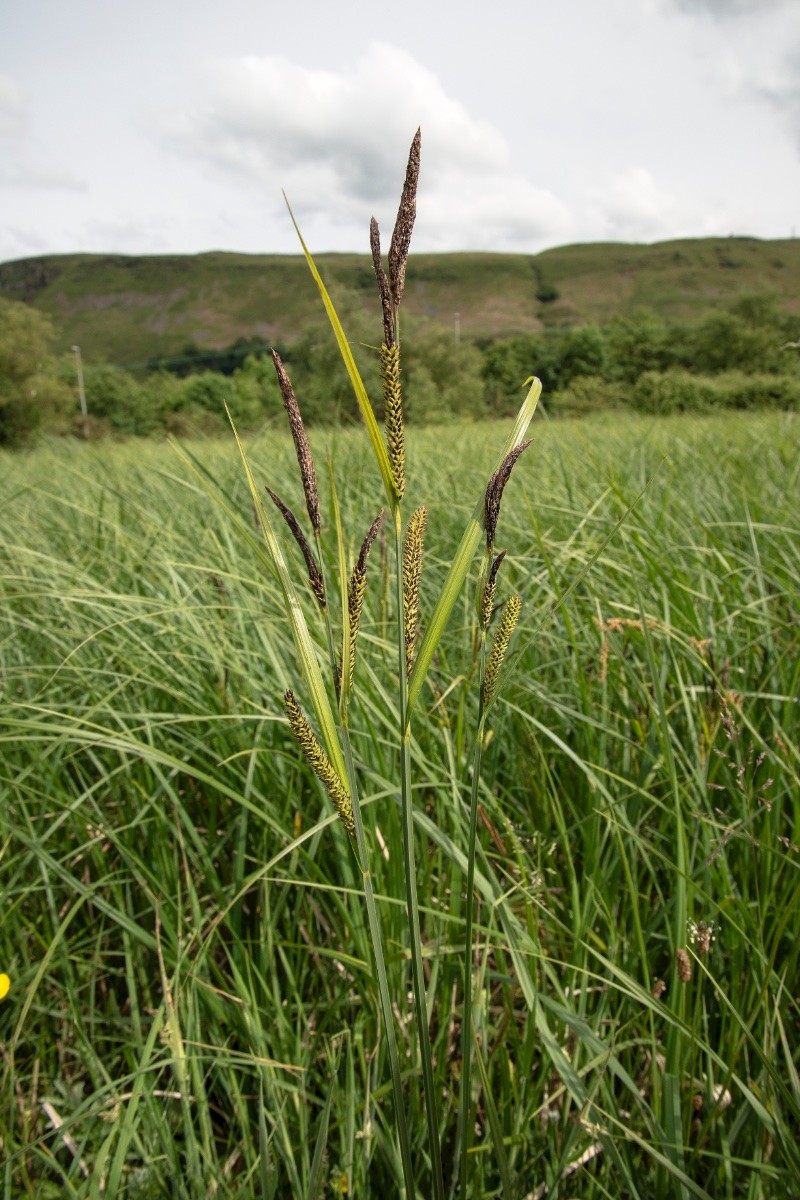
494	491
684	965
301	443
401	236
383	283
314	574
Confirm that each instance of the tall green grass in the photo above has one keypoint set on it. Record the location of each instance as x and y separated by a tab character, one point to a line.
192	1009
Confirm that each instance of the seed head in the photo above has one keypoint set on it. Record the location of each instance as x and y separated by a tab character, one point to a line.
383	283
314	573
684	965
494	491
301	443
356	591
393	416
487	604
502	637
401	237
318	761
412	574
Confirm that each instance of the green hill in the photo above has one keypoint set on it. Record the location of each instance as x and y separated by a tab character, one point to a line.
130	309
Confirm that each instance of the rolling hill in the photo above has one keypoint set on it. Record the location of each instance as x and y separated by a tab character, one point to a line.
128	309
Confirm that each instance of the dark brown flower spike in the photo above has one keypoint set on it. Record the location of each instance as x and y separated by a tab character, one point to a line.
383	283
494	491
314	574
366	545
401	237
301	443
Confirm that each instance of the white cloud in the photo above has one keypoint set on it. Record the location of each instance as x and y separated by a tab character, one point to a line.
26	170
758	51
21	165
335	141
729	8
629	205
13	114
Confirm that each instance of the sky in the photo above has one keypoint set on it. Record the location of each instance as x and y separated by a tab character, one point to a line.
175	126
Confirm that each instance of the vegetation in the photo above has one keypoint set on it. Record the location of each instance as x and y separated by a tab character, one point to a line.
132	311
457	929
191	993
743	355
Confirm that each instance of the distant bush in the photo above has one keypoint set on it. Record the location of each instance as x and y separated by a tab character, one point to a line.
638	344
587	394
118	398
681	391
443	378
31	394
508	363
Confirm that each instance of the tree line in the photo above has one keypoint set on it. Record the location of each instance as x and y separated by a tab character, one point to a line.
743	355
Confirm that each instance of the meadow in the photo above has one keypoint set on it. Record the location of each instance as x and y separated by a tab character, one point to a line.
193	1007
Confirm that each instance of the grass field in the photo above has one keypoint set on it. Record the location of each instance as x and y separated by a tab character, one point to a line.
193	1008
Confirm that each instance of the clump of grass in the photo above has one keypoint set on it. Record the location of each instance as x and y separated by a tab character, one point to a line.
197	1006
391	458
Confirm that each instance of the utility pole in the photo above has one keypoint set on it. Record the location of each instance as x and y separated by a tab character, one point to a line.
76	350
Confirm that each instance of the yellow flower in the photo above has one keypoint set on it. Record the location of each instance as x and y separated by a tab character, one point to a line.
5	984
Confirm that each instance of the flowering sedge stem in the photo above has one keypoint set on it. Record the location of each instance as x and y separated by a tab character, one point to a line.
465	1097
380	969
373	919
412	907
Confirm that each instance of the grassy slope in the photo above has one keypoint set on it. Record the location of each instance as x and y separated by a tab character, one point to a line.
182	922
127	309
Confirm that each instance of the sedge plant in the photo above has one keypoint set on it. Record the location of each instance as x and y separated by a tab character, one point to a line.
327	690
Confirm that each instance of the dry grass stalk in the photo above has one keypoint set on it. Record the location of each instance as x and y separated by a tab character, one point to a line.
314	574
412	573
401	236
487	603
301	443
393	409
318	761
502	637
494	491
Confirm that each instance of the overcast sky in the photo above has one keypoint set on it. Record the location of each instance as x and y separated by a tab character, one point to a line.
150	126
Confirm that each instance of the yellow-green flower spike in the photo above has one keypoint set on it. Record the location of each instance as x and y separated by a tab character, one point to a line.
393	417
500	642
412	573
317	759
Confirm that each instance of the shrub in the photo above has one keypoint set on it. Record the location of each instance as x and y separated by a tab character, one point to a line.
681	391
638	343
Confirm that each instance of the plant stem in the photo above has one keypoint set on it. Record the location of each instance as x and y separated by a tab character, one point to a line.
380	968
412	907
376	937
466	1021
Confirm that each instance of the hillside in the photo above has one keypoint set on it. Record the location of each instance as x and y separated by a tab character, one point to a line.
130	309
